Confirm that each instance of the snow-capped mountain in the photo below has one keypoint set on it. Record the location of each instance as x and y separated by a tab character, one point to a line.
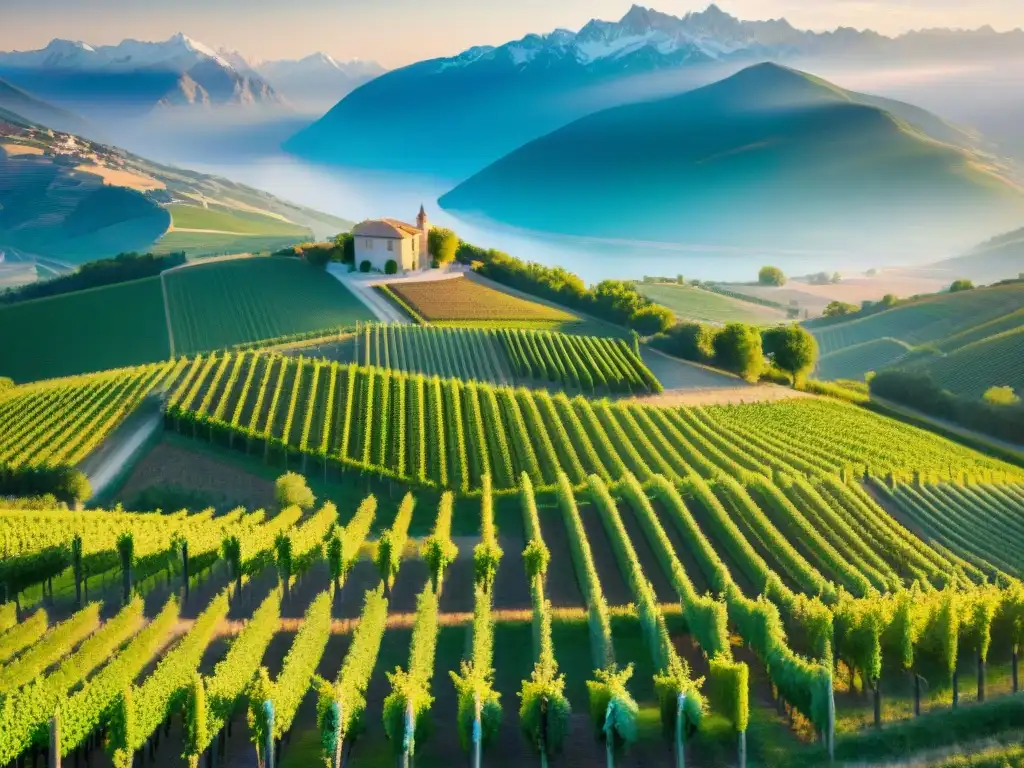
136	76
489	100
317	81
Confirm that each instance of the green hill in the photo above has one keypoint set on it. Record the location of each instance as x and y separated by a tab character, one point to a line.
969	341
209	305
1001	258
995	361
68	198
770	157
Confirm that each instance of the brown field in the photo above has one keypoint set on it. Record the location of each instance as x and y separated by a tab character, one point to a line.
116	177
462	299
170	466
853	290
20	149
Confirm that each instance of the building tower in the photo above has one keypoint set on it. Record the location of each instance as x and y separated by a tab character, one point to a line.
423	225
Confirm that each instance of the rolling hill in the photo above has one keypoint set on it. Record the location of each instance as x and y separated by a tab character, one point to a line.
198	307
968	341
770	157
74	200
999	258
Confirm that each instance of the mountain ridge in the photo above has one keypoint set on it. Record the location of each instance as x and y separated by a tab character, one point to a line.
135	76
488	100
769	157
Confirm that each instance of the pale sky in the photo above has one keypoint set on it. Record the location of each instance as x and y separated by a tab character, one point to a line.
398	32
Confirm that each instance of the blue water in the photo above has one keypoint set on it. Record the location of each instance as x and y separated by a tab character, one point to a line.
359	194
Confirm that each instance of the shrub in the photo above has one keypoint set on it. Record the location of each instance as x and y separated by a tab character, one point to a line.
651	320
690	341
839	309
290	490
391	268
917	390
771	276
1001	396
364	265
6	383
738	349
961	285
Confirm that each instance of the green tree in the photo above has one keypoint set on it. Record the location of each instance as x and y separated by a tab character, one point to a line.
961	285
791	348
364	265
738	349
391	267
6	383
839	309
651	319
443	245
1001	396
290	490
346	244
771	276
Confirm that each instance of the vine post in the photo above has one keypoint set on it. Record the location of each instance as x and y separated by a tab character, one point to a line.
339	713
268	746
409	742
54	754
609	734
477	734
680	731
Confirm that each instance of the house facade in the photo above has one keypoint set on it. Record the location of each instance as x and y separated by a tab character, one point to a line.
379	241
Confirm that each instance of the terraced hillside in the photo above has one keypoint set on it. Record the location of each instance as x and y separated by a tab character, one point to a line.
967	340
832	584
501	356
449	433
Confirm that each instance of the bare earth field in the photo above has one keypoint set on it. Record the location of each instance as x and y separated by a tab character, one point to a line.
852	290
170	466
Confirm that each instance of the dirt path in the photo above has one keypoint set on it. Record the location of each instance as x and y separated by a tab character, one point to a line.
562	588
612	582
167	313
362	290
649	562
108	470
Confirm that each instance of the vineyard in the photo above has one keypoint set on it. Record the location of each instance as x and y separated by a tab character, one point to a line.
585	363
219	305
71	333
463	300
969	341
449	434
828	609
60	422
766	582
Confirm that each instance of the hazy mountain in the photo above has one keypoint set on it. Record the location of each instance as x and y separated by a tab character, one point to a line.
488	100
316	82
999	258
135	77
770	157
15	100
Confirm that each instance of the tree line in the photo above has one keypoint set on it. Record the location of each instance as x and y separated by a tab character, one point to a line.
782	352
120	269
918	390
616	301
